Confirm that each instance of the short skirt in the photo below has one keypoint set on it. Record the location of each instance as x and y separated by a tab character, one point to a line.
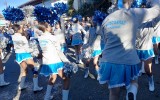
145	54
118	75
50	69
96	53
155	40
20	57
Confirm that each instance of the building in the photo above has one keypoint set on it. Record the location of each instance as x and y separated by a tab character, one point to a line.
3	22
77	4
1	16
46	3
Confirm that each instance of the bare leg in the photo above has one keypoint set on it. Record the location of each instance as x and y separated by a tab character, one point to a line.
31	64
79	49
148	69
51	81
95	62
76	53
23	75
114	93
156	53
1	66
66	84
86	66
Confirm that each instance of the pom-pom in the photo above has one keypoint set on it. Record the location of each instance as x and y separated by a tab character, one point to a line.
3	42
140	3
55	16
75	17
28	10
70	68
44	14
99	17
87	51
34	47
61	8
13	14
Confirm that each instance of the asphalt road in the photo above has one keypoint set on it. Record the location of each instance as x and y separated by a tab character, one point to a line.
80	88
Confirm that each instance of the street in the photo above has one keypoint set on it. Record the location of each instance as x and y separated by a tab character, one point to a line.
80	88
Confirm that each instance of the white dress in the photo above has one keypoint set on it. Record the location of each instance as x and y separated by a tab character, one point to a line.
51	62
77	30
21	47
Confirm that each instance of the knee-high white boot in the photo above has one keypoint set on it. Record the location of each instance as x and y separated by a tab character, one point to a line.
142	68
36	87
86	72
80	59
132	92
151	83
22	83
2	55
48	93
65	94
77	59
156	59
2	82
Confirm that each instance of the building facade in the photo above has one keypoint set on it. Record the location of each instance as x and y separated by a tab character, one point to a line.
46	3
77	4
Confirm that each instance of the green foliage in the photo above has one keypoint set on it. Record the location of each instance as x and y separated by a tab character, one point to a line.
71	10
88	9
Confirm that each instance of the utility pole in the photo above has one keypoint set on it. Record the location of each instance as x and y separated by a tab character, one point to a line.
5	3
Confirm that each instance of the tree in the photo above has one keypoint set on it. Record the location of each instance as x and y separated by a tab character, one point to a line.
88	9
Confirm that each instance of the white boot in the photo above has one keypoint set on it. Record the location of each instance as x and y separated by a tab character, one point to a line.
4	67
132	92
2	55
22	83
79	59
65	94
142	68
98	77
48	93
156	59
151	83
36	87
86	72
2	82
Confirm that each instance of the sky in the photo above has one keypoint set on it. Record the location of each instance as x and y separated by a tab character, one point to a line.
13	3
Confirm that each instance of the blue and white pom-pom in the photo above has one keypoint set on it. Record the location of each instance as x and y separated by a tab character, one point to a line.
70	68
42	14
55	17
34	48
139	3
3	42
86	52
48	15
61	8
13	14
99	17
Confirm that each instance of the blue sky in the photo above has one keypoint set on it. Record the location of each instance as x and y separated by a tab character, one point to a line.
12	3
